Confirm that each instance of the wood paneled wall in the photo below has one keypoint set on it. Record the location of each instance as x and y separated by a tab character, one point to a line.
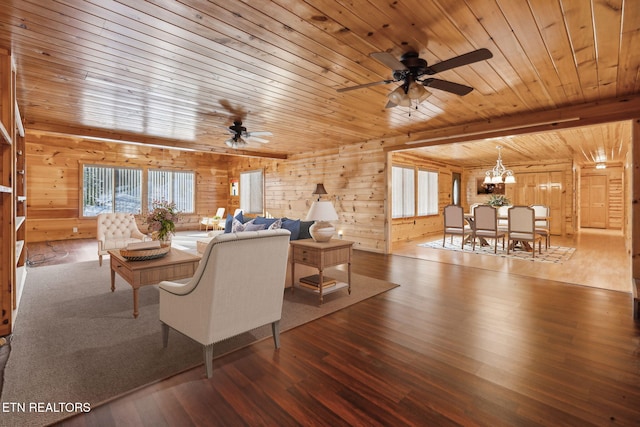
354	177
53	181
545	176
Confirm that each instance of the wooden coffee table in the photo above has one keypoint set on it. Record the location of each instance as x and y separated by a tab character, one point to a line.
175	265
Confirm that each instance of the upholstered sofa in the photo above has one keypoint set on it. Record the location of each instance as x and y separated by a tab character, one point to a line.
298	229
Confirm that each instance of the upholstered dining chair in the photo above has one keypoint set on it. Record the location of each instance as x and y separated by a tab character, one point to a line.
485	226
238	286
503	221
116	231
543	226
522	228
454	224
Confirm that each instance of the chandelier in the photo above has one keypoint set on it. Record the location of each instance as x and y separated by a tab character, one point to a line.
499	174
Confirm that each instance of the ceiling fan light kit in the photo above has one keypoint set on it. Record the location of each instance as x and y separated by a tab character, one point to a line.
411	68
241	137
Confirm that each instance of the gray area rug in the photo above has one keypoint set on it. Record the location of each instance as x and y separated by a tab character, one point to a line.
77	342
553	254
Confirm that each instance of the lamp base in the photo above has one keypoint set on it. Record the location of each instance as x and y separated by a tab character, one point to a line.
322	231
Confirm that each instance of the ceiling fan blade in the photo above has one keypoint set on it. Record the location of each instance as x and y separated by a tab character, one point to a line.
447	86
259	133
458	61
383	82
388	60
256	139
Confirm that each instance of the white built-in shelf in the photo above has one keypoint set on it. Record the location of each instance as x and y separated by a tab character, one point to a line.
20	221
21	276
5	134
19	248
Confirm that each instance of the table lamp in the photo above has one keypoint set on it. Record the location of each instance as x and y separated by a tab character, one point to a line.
321	212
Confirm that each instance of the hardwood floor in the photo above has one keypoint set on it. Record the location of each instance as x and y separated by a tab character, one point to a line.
600	260
453	345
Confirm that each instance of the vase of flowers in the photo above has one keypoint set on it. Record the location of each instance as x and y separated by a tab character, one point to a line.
162	220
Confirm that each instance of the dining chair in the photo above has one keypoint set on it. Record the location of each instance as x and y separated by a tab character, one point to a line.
454	224
522	228
214	221
486	226
503	221
542	225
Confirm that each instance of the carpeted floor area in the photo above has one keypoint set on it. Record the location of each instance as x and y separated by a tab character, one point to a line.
553	254
76	341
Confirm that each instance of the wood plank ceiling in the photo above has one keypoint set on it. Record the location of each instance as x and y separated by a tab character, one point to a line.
179	72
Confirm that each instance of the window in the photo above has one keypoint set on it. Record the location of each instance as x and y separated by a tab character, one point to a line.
111	189
456	188
114	189
427	192
251	192
172	186
404	192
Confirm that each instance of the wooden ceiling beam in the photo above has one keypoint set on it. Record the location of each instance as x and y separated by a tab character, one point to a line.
594	113
124	138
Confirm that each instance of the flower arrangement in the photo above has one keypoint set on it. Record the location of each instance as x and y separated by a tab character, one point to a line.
498	200
162	219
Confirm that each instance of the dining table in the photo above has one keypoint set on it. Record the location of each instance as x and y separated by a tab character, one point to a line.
469	217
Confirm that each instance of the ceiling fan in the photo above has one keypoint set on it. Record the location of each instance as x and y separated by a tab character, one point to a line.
410	70
241	137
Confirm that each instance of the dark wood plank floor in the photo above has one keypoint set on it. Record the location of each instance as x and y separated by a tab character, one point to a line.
453	345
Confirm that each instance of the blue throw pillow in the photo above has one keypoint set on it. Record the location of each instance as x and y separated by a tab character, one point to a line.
229	222
304	230
266	221
293	225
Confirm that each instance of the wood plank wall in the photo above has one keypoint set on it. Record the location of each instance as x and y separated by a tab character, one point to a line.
354	177
544	175
53	181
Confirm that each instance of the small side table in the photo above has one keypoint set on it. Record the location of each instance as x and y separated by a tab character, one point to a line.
321	255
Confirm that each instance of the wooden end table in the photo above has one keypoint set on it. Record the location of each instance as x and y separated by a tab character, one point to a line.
321	255
175	265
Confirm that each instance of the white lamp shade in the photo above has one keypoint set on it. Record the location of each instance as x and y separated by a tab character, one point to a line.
510	179
322	210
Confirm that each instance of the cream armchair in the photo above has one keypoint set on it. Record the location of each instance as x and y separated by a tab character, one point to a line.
236	288
116	231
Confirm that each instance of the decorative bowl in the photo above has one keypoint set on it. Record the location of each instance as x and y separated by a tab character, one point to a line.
145	254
